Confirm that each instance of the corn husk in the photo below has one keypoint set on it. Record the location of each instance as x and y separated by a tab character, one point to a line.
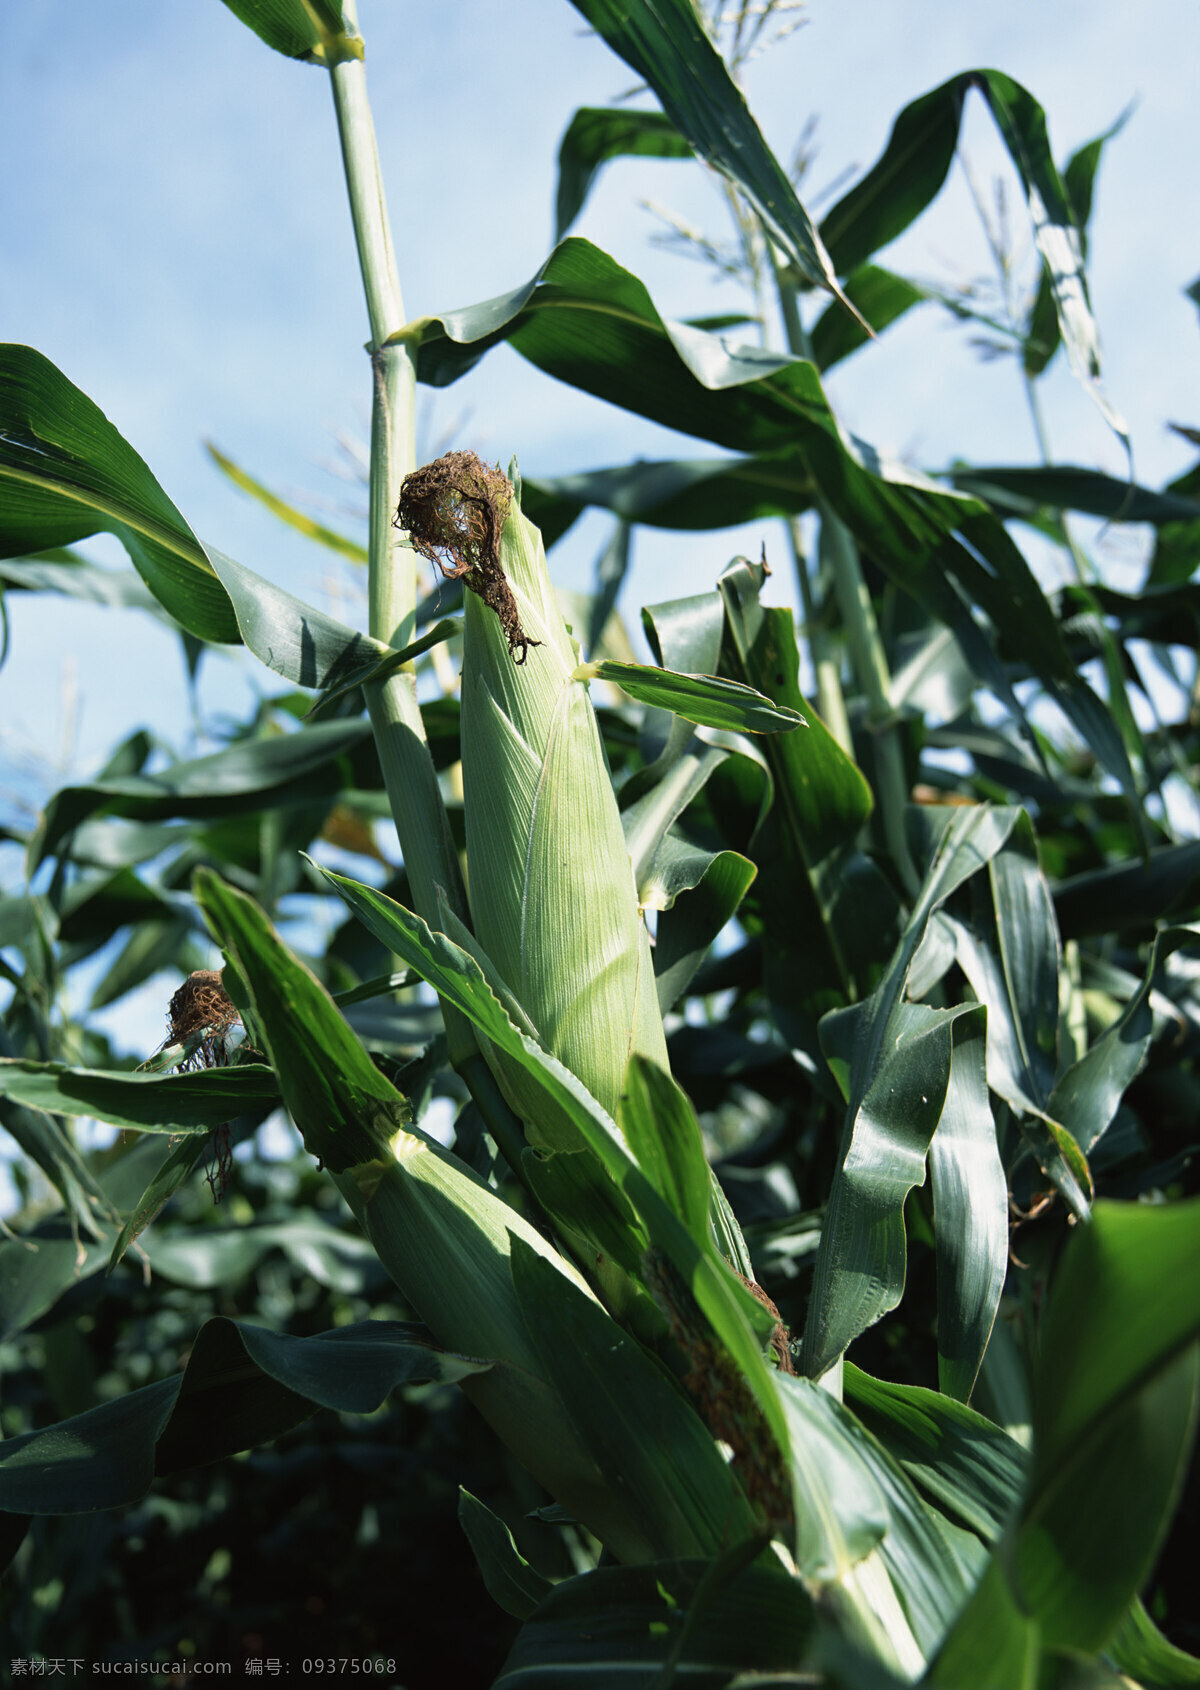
551	887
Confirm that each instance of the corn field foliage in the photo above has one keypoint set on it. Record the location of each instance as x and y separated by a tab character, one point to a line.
810	1291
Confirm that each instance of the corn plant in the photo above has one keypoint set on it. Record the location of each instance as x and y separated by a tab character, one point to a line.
957	1006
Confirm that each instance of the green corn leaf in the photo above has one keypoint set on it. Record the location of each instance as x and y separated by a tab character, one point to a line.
1115	1392
897	1081
174	1172
879	296
1177	544
67	473
586	321
701	493
152	947
251	775
596	134
243	1385
1026	490
304	645
1042	336
892	1568
511	1582
43	1140
619	1625
664	42
344	1107
1142	1653
715	884
1086	1096
830	910
299	29
35	1271
962	1462
662	1131
970	1206
206	1257
284	511
704	699
1124	897
861	1262
689	494
74	578
153	1103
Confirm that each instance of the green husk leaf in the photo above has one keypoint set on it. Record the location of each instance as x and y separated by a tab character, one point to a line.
706	700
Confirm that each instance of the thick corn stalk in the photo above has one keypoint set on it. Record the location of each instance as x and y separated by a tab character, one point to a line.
551	886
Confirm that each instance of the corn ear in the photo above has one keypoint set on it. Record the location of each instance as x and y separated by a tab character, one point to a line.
551	887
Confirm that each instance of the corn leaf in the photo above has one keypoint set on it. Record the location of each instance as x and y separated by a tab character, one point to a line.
621	1624
866	1534
879	296
586	321
1127	896
960	1460
661	1129
596	134
304	645
829	908
689	494
1023	491
665	43
44	1141
1086	1096
74	578
1114	1419
706	700
299	29
715	883
898	1077
247	776
67	473
911	169
861	1262
153	1103
970	1207
243	1385
175	1170
511	1582
1042	337
37	1269
344	1107
1142	1653
284	511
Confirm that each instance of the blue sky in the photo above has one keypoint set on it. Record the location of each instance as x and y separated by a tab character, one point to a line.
176	239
